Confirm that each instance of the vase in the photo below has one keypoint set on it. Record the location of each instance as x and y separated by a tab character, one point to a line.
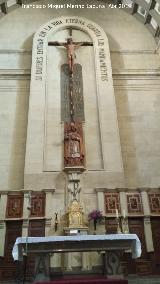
95	223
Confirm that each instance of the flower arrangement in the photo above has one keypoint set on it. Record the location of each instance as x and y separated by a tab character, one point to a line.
95	215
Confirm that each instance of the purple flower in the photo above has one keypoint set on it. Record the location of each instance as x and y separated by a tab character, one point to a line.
95	215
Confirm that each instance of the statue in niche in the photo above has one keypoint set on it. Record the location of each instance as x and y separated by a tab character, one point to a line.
75	215
73	145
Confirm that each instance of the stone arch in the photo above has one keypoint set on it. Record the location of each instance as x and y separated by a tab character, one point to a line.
92	29
104	87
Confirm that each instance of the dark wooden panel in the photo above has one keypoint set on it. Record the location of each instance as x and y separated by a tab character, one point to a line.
154	202
112	202
155	223
13	231
134	203
143	267
36	229
143	264
38	200
111	226
136	226
14	206
8	266
148	263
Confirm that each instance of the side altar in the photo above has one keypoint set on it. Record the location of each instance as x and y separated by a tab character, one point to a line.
113	245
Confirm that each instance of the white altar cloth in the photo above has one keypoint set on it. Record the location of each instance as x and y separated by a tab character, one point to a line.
135	250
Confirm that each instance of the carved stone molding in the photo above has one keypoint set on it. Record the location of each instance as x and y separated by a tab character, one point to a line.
15	51
49	190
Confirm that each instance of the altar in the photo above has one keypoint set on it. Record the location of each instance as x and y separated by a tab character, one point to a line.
112	245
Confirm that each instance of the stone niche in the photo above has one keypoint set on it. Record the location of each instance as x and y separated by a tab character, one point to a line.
44	151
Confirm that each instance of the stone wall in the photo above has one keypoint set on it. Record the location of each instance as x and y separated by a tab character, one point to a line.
136	81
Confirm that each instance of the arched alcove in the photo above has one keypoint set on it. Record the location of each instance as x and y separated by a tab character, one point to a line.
45	90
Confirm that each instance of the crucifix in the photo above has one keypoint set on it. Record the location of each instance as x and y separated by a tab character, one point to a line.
70	45
73	131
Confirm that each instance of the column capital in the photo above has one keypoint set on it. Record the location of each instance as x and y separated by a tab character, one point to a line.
144	189
49	190
145	202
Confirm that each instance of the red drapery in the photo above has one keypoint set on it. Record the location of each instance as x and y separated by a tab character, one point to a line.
86	281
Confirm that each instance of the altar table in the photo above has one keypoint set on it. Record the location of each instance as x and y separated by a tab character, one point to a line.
110	244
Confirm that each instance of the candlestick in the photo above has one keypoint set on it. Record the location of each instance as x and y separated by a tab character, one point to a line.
125	228
124	214
119	231
116	212
56	221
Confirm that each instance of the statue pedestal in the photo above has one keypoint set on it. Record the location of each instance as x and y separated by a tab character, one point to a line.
75	169
84	255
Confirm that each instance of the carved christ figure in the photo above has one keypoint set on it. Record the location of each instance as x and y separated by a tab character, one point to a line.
73	146
70	46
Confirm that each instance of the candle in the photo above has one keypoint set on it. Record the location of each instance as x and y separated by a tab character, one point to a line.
117	213
124	214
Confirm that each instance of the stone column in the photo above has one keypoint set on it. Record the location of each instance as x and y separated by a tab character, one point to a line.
147	222
73	187
26	213
49	211
67	258
85	255
123	202
54	205
3	204
148	234
68	261
145	202
25	226
100	199
2	234
85	261
124	210
101	229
